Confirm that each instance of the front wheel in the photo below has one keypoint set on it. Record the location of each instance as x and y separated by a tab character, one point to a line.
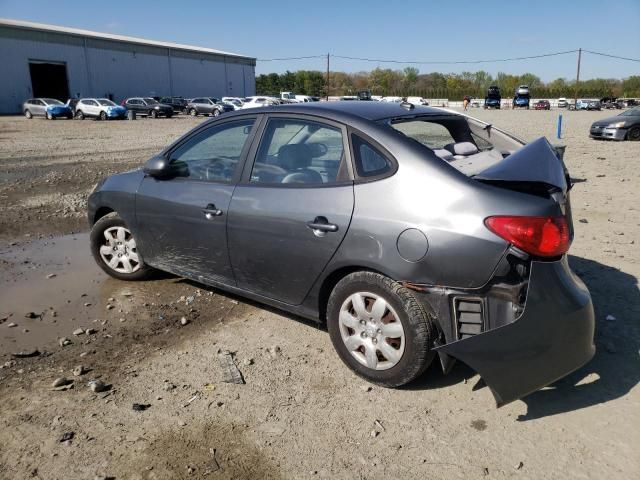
114	248
634	134
379	329
216	113
193	112
103	115
154	114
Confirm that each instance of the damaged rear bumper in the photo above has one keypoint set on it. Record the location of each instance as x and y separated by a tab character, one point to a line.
552	337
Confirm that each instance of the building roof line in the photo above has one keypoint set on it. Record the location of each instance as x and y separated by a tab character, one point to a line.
117	38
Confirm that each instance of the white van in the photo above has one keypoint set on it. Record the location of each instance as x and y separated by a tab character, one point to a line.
417	101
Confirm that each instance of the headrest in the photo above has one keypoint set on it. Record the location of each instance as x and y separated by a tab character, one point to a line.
462	148
294	156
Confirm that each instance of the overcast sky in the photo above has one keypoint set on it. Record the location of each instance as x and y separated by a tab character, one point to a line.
402	30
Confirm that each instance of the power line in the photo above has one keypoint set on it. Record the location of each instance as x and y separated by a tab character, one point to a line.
455	62
612	56
289	58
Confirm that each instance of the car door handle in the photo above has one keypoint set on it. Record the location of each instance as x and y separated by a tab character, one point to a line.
210	211
321	224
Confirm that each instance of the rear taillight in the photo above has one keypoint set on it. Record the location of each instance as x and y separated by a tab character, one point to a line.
539	236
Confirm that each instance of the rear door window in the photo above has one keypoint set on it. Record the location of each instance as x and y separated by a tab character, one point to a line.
296	151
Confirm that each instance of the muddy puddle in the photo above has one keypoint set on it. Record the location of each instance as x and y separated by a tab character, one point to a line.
49	288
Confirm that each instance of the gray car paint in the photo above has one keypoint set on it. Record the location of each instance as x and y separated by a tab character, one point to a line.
276	259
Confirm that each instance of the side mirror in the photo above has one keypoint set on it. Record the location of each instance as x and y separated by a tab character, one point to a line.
157	167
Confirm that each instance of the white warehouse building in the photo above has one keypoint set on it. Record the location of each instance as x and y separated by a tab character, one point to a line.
40	60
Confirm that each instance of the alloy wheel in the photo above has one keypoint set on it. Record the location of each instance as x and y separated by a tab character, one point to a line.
371	331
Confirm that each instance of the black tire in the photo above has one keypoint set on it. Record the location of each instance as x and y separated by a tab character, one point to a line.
97	240
80	115
153	113
633	134
28	114
216	112
103	115
193	112
169	115
418	325
69	116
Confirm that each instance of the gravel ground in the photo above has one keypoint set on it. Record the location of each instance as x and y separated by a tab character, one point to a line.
301	413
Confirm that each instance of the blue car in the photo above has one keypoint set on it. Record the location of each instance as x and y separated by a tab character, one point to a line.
521	101
46	107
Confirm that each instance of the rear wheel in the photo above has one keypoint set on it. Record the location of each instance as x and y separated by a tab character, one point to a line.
28	114
634	134
114	249
80	115
379	329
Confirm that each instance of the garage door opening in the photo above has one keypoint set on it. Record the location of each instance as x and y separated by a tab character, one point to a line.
49	79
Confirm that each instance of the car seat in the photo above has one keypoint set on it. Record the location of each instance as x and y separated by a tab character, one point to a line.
295	159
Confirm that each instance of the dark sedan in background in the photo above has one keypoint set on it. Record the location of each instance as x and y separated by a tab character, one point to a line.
179	104
411	231
147	106
625	126
208	106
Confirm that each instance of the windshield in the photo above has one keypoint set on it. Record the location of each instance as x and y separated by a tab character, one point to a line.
150	101
106	102
634	112
52	101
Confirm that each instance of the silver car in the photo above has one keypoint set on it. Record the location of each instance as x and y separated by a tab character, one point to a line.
411	232
49	108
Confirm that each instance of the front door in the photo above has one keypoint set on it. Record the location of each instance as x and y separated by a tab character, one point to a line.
292	209
181	221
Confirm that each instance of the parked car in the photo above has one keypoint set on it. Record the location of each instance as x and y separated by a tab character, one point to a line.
364	95
624	126
50	108
235	104
542	105
101	108
522	90
208	106
587	105
179	104
417	101
147	106
391	99
466	257
562	102
258	101
493	98
521	101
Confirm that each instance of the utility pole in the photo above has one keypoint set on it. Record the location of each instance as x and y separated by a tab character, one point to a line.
327	77
575	100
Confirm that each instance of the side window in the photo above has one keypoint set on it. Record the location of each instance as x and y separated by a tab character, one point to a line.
38	102
370	162
431	134
213	154
300	151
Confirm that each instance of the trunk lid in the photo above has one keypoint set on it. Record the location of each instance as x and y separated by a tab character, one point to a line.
536	162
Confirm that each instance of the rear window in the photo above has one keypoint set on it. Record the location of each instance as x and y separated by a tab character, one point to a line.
430	134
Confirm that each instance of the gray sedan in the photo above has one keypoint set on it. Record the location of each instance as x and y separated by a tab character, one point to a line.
624	126
411	232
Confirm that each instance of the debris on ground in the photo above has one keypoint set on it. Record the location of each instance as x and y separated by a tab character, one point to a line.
33	315
26	353
67	437
184	321
98	386
79	370
78	331
64	341
230	372
610	318
62	383
519	466
140	407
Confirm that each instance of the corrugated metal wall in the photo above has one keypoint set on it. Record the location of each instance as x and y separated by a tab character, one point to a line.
98	67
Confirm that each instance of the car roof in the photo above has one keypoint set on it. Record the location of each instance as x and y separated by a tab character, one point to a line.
368	110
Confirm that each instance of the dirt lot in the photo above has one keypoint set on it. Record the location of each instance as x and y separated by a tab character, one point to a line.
301	414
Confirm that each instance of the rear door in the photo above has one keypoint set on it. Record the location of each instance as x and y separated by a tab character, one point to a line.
181	221
292	208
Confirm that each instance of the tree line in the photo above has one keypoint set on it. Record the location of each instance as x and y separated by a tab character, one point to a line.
454	86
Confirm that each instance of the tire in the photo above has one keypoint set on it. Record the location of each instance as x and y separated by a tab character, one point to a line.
69	116
153	113
193	112
215	113
123	248
633	134
412	349
80	115
28	114
169	115
103	115
48	116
